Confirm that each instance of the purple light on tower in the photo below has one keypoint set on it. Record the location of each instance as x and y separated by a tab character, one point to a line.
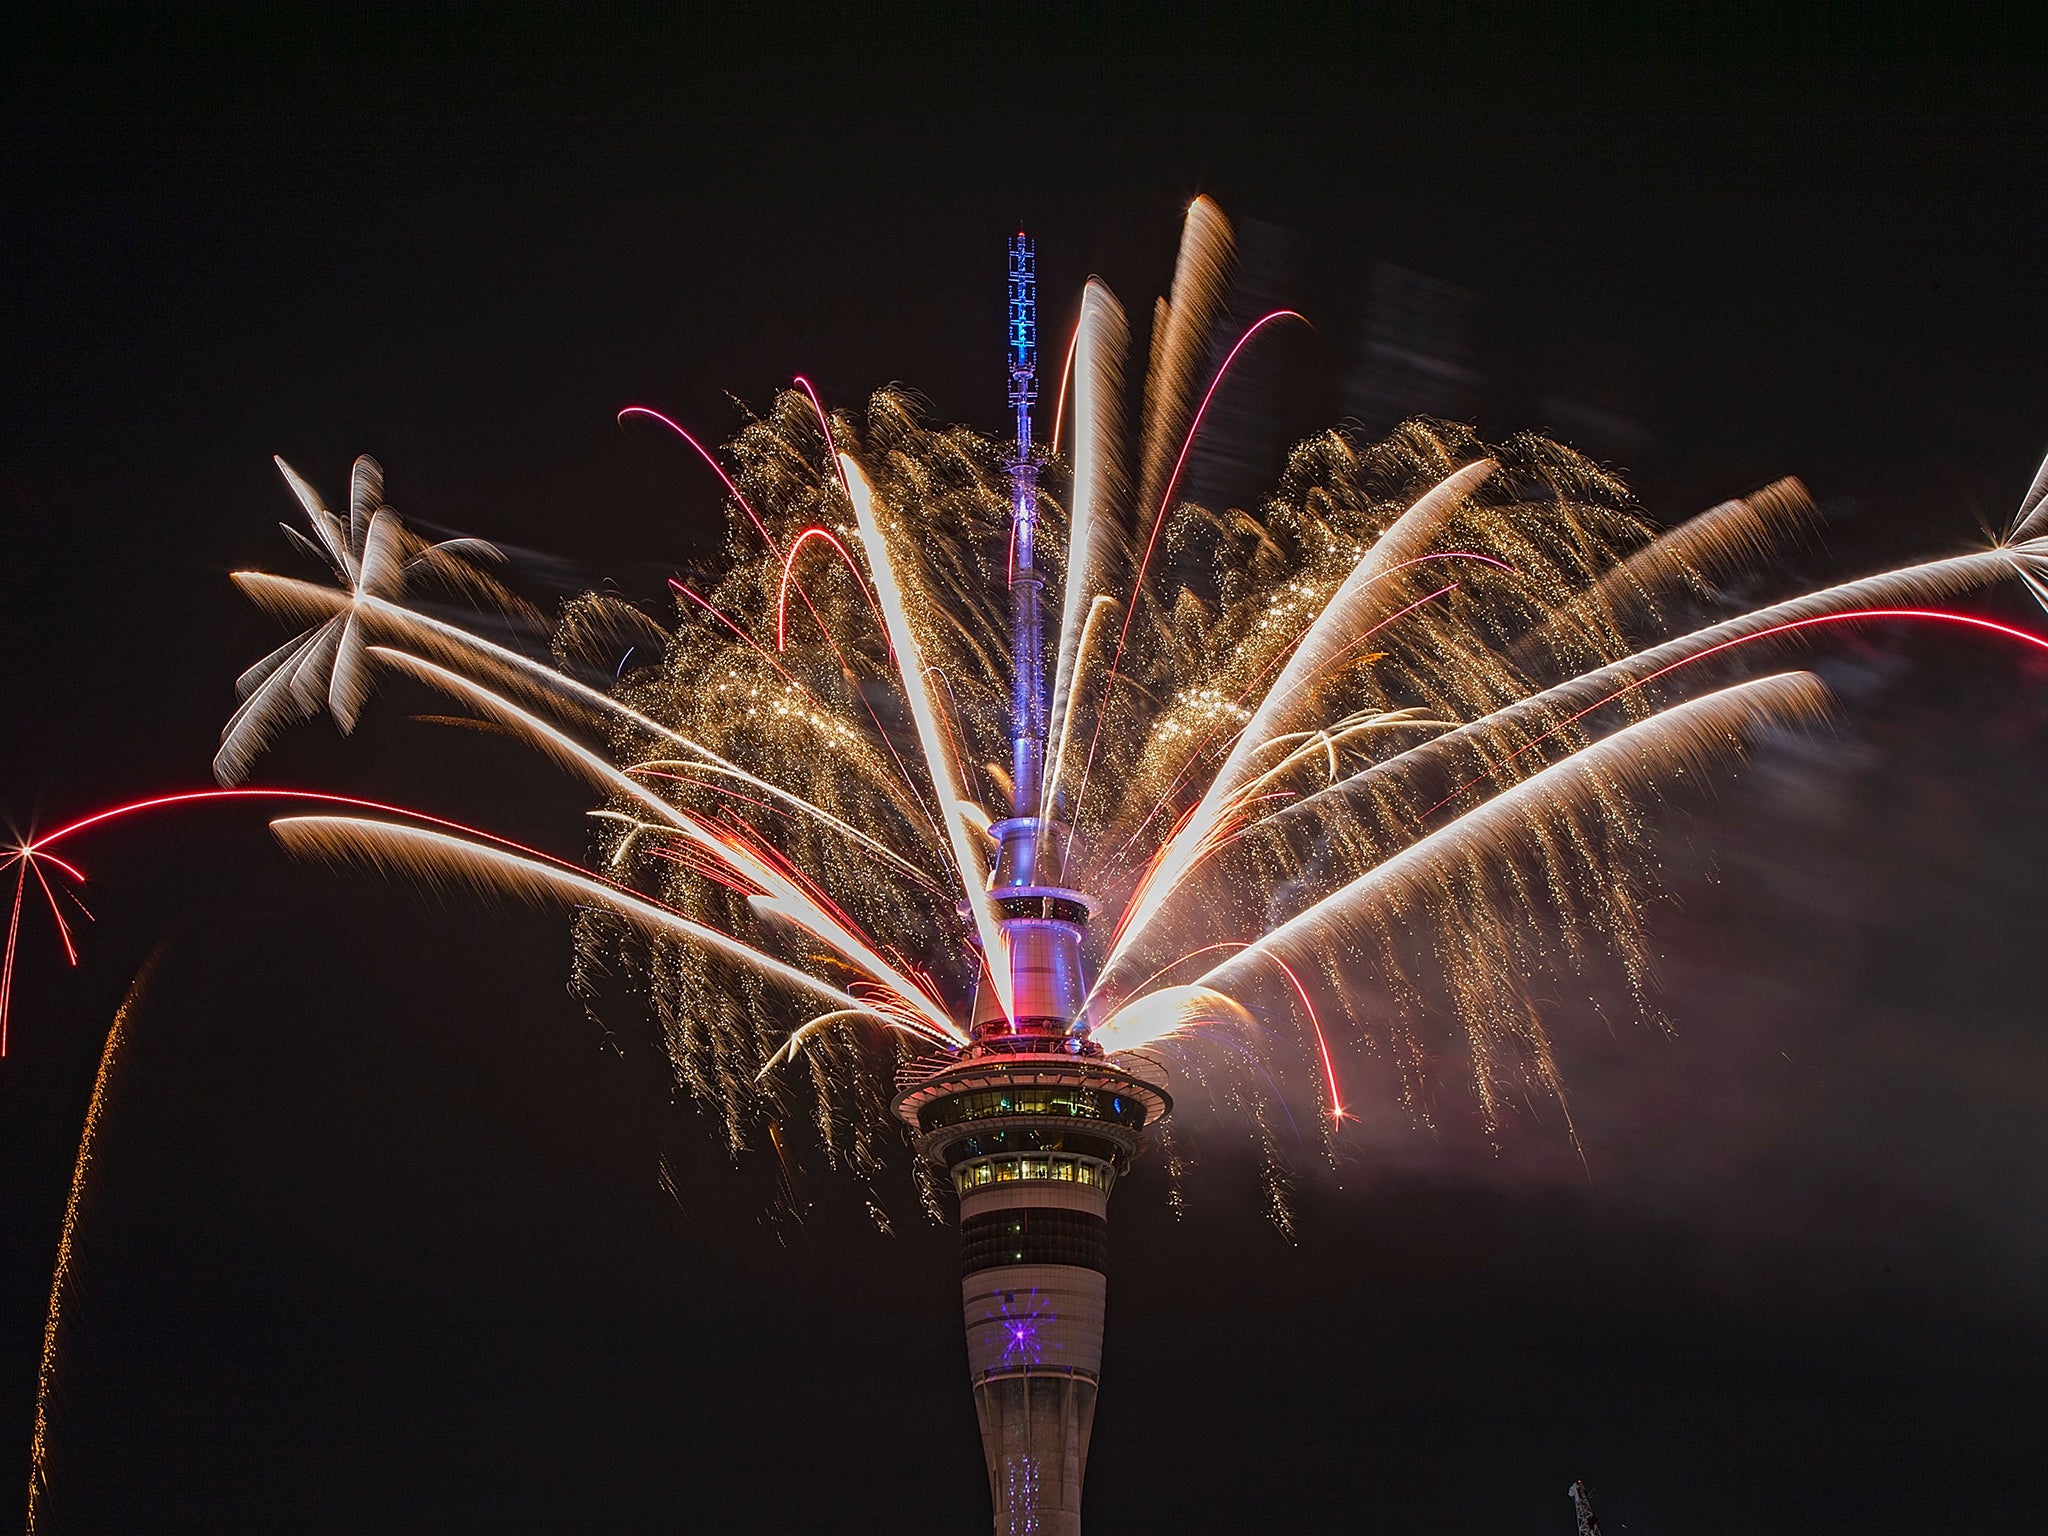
1022	1320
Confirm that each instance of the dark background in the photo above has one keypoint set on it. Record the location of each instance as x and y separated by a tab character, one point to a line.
378	1238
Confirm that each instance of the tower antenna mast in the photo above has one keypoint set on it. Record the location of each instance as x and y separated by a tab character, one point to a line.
1028	707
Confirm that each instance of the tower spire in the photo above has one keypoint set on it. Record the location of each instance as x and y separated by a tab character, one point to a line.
1027	643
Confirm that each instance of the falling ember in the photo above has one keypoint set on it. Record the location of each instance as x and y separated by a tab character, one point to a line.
60	1278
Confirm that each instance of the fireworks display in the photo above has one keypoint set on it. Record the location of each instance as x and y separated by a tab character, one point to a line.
1401	724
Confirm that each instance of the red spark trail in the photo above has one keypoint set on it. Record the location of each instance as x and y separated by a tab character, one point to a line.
825	423
745	505
832	452
57	912
1322	1045
845	669
1854	615
7	966
1337	1111
776	549
719	614
28	853
1188	442
717	788
72	871
831	448
709	868
1173	480
736	834
1139	989
155	802
717	468
789	565
762	528
970	771
710	784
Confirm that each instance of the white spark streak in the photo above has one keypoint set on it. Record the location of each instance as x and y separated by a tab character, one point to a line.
790	901
1924	582
421	853
968	851
1338	625
288	595
1687	736
1098	484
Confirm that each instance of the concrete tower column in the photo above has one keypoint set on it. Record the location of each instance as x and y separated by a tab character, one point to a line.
1032	1290
1034	1142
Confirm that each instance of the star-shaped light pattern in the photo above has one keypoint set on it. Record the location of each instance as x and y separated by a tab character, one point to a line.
1022	1319
375	558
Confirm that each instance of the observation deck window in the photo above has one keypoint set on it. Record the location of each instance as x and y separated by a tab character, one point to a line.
1054	1169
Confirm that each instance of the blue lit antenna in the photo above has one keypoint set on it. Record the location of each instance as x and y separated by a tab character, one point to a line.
1023	338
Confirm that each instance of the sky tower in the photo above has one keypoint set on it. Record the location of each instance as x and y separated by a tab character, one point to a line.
1031	1122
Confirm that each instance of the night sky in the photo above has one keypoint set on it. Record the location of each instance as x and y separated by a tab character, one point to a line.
386	1234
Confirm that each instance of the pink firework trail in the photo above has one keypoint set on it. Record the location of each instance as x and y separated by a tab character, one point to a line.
32	854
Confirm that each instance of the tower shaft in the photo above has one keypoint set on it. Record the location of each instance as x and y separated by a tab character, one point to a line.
1032	1291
